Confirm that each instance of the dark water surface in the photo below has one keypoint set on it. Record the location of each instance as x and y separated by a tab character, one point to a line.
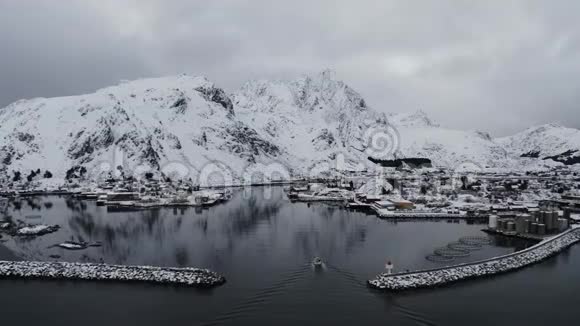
263	244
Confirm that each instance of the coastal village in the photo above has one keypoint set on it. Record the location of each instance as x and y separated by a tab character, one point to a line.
535	206
531	205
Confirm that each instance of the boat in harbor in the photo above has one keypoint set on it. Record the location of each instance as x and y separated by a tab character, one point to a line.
317	262
327	194
102	200
73	245
148	202
90	195
383	207
355	203
114	198
207	201
211	197
122	197
293	191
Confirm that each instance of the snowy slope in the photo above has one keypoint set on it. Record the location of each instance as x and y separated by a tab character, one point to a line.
315	118
139	124
188	123
421	137
551	141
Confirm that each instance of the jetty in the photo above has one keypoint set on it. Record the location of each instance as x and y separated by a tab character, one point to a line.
193	277
442	276
34	193
422	215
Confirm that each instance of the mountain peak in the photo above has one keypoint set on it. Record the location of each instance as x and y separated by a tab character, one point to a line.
545	127
165	82
554	125
312	93
298	122
544	141
327	74
416	119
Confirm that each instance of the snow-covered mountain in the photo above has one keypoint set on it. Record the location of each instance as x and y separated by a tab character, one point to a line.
420	137
314	118
191	123
549	142
319	117
143	123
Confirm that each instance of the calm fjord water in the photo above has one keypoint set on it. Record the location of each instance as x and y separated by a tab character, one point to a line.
263	244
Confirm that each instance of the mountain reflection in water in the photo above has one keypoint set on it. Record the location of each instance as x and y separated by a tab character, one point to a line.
261	242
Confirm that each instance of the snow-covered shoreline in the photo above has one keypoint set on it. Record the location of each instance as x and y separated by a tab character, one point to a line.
103	272
501	264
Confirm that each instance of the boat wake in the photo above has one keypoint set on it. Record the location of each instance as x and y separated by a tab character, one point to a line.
252	303
289	280
416	317
351	277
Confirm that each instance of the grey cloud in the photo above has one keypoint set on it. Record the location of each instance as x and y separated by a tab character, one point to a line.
54	50
492	65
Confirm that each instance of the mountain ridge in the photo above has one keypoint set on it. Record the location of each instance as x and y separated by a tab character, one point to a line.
297	123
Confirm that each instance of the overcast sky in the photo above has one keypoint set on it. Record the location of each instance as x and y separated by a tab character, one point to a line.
498	66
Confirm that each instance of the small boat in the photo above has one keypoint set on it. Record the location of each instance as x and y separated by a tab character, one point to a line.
357	204
73	245
317	262
330	194
102	200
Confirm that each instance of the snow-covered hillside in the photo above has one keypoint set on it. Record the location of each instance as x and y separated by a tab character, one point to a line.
314	118
190	122
549	142
138	124
317	117
421	137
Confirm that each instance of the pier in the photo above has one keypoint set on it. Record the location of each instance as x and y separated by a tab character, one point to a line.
193	277
424	215
496	265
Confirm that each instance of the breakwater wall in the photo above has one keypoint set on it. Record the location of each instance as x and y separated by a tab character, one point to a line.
496	265
428	215
103	272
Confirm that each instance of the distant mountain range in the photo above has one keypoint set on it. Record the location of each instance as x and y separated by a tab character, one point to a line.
300	124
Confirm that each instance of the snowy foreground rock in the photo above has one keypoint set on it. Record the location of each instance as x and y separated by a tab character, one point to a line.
442	276
103	272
